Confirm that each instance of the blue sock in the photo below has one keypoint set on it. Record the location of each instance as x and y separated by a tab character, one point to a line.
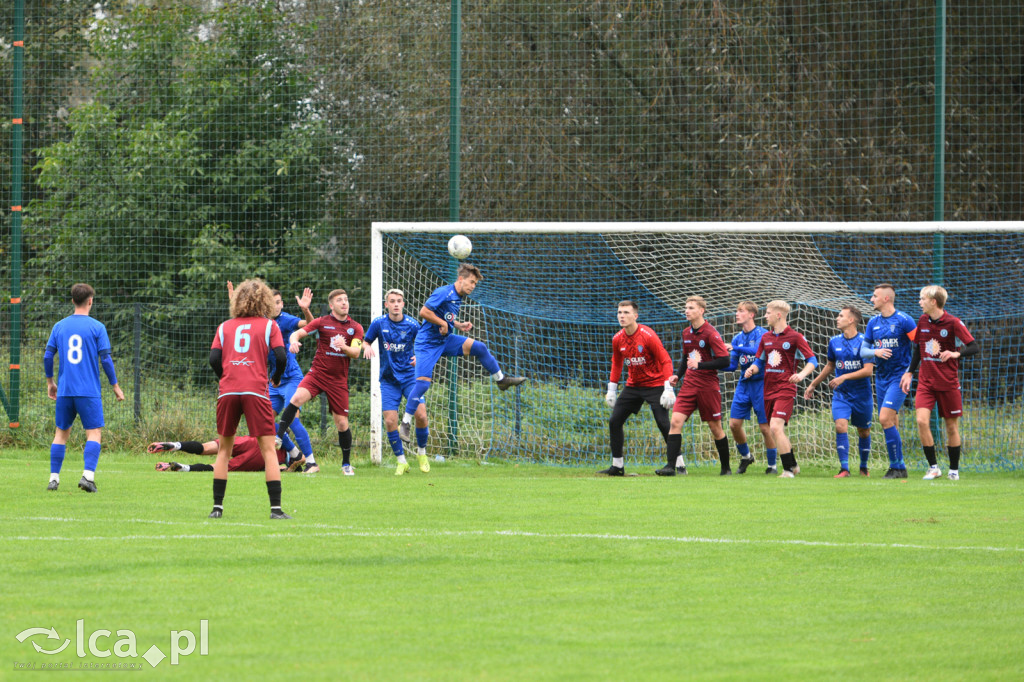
843	449
396	443
772	454
91	455
416	396
743	449
864	445
286	443
893	447
57	457
421	436
302	437
479	350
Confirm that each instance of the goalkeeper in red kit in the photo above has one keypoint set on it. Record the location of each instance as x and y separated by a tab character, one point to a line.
649	367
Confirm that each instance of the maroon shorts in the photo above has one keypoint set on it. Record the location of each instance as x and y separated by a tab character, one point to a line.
336	391
779	408
706	401
950	402
259	415
247	455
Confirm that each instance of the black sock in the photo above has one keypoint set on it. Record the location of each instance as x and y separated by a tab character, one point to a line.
954	457
204	467
192	447
929	454
286	418
723	452
788	461
219	486
345	441
675	444
274	492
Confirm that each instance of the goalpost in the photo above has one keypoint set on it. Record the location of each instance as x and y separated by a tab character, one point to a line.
547	310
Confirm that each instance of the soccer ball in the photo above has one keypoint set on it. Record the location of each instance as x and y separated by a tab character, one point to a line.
460	247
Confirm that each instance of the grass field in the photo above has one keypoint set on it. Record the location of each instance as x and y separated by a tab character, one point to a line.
518	572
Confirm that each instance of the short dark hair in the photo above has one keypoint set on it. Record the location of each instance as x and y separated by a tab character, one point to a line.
81	293
630	304
858	318
469	269
337	292
275	292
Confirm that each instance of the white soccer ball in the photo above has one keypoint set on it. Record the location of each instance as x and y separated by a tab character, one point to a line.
460	247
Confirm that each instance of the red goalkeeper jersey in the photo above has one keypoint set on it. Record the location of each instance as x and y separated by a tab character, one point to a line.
645	358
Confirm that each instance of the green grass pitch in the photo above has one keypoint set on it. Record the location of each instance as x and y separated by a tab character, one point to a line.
506	572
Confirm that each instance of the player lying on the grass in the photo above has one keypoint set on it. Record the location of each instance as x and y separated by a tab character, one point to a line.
396	333
245	454
749	393
82	345
436	338
940	342
648	368
777	354
704	353
891	333
338	344
238	356
851	397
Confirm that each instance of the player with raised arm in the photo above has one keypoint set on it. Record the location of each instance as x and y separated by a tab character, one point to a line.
395	334
851	397
340	340
82	344
704	353
648	371
777	355
245	454
889	337
281	395
238	356
749	393
436	340
941	341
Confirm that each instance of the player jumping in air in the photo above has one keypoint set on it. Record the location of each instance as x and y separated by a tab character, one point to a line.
749	393
777	355
649	367
704	353
889	339
940	343
82	344
851	399
395	334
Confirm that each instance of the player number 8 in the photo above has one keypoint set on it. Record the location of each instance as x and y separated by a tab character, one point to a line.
75	349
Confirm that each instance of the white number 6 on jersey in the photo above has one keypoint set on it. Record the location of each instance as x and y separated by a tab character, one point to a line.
242	339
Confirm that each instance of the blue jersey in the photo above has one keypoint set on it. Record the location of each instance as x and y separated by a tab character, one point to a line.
287	323
79	341
744	352
891	332
844	353
445	303
396	347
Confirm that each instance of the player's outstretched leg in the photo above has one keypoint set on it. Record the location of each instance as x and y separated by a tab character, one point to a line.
505	382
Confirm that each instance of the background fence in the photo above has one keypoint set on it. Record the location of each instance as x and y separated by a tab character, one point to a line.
157	151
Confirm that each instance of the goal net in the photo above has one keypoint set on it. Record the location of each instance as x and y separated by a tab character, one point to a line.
546	308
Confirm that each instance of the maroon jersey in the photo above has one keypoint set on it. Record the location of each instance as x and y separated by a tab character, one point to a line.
246	455
335	334
703	344
933	337
245	344
781	353
646	359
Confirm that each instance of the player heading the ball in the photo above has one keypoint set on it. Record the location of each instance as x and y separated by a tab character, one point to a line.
436	338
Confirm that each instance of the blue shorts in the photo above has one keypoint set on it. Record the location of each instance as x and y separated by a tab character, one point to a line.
392	392
89	410
427	356
856	412
749	394
281	395
889	395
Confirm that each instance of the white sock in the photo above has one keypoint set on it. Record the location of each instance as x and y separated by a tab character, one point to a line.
175	446
498	376
55	477
619	462
401	459
406	418
185	467
294	452
309	459
89	475
954	471
680	462
421	451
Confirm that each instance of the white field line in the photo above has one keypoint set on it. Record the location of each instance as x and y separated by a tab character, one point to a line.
327	530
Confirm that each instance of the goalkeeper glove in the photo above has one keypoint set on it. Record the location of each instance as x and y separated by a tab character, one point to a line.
668	396
609	397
